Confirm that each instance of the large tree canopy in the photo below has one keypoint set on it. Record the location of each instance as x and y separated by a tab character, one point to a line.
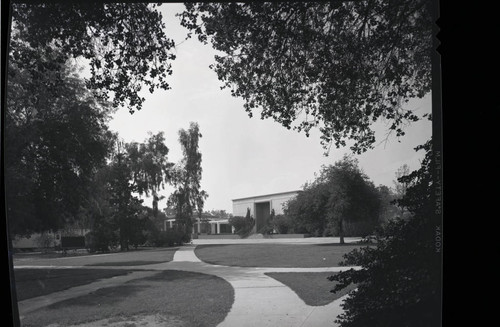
337	65
55	138
125	44
340	201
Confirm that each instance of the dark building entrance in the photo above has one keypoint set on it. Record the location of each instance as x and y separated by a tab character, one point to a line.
262	213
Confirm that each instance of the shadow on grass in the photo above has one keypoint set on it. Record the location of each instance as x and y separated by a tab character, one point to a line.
312	287
103	296
37	282
191	299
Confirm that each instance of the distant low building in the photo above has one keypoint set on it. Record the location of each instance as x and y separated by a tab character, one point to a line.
261	205
46	240
207	224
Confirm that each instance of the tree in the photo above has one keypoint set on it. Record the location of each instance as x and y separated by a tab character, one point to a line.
340	201
399	283
220	213
388	209
337	65
307	210
188	197
124	43
56	133
150	166
401	185
353	199
56	137
121	188
97	212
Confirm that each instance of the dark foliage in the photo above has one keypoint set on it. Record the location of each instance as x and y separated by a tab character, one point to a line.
170	237
55	139
283	224
336	65
242	225
188	197
399	283
268	228
125	44
341	201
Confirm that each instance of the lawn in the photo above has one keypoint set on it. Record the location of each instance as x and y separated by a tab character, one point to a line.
275	255
312	287
127	258
173	298
36	282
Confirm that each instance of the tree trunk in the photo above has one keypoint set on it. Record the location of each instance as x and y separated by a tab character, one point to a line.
123	235
341	231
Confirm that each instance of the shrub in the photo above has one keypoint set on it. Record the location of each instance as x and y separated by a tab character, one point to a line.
242	225
399	283
170	237
45	241
283	224
268	228
101	239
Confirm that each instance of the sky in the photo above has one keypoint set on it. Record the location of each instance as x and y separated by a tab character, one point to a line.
244	156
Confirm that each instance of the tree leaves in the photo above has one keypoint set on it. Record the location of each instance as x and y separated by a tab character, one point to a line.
188	197
340	201
55	138
123	42
399	282
345	64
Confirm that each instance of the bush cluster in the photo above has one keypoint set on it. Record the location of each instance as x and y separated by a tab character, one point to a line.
170	237
242	225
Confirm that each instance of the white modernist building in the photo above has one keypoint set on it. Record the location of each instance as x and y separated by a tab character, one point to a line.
261	205
205	226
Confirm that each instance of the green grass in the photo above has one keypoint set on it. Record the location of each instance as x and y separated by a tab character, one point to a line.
127	263
180	297
36	282
312	287
275	255
126	258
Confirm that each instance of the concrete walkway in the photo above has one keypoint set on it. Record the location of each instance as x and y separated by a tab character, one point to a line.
259	299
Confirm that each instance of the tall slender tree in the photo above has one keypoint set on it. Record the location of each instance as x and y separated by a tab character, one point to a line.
188	198
401	185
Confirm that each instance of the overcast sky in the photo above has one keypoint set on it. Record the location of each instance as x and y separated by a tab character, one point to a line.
245	156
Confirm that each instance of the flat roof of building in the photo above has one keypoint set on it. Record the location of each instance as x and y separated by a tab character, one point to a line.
266	195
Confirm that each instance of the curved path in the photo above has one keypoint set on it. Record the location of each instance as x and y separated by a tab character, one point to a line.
259	299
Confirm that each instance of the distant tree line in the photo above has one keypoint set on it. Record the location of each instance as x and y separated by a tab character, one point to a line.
341	201
63	165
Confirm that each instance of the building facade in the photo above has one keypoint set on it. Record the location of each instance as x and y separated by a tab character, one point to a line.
261	205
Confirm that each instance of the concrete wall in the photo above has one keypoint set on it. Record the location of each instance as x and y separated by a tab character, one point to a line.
277	201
